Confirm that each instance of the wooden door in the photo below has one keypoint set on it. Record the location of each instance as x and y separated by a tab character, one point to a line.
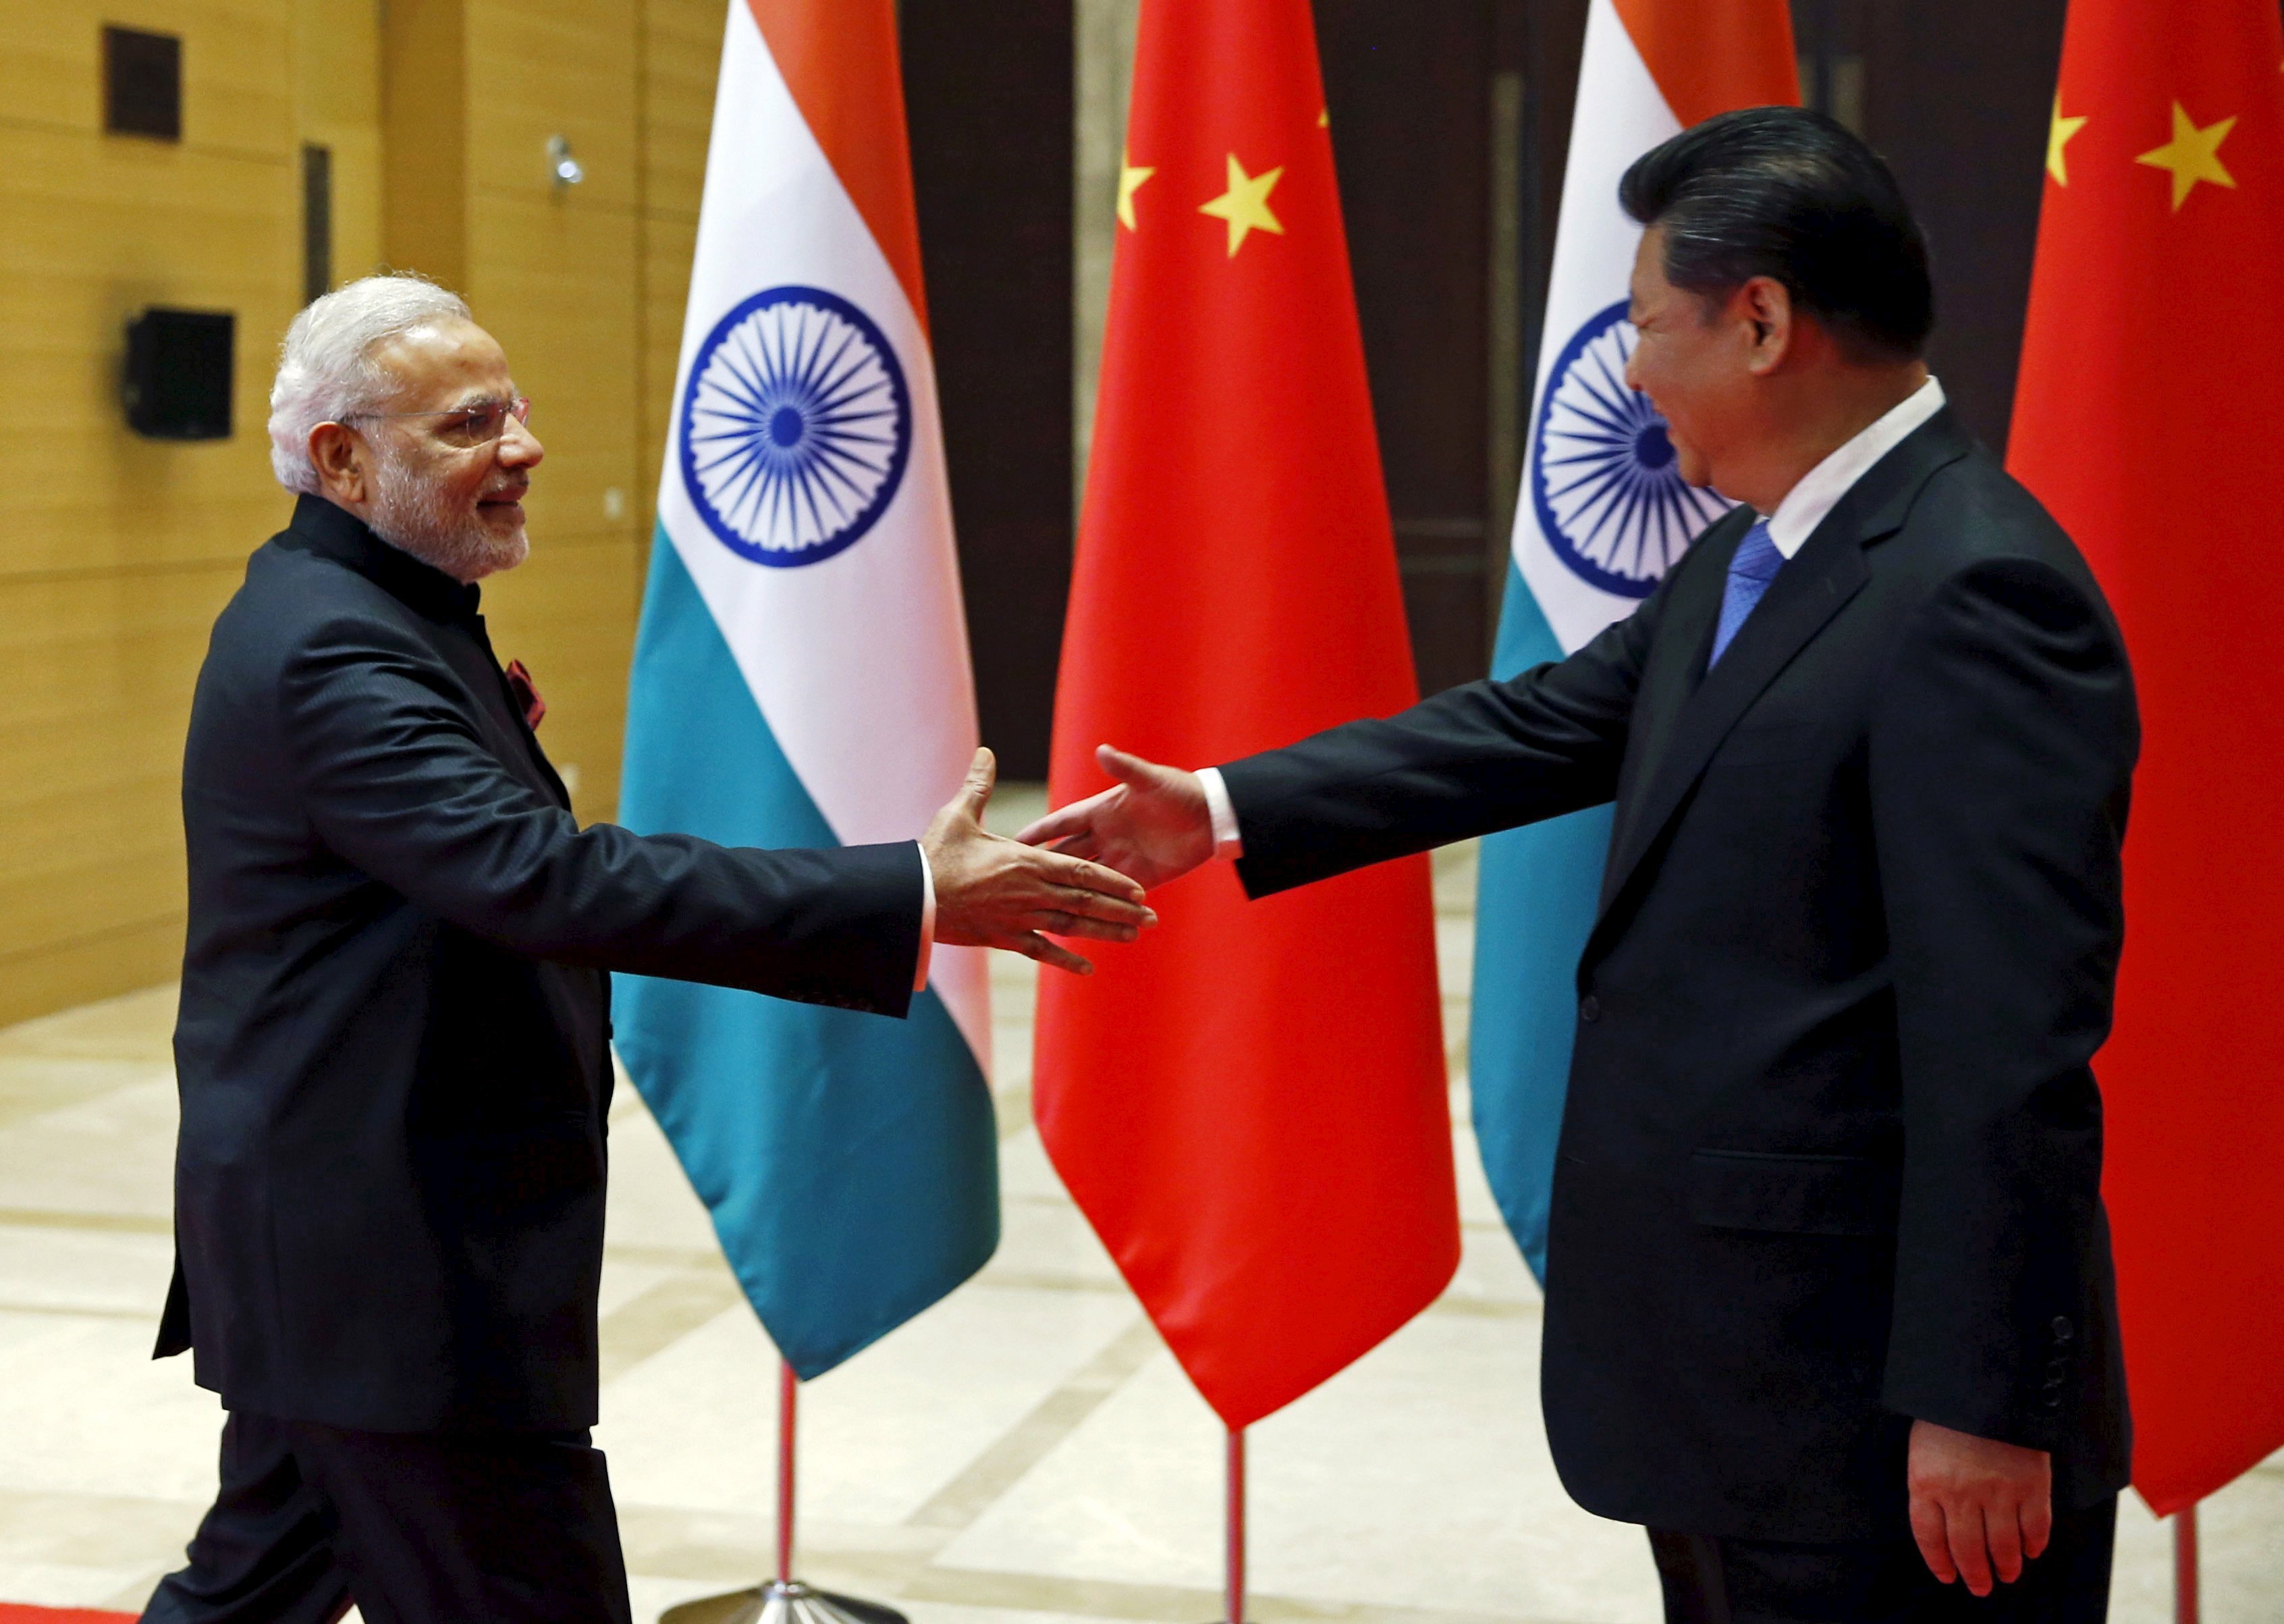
1427	109
987	92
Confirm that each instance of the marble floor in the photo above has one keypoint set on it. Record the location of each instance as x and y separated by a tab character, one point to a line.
1025	1453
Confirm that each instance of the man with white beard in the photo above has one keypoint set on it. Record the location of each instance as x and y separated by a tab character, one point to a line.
393	1049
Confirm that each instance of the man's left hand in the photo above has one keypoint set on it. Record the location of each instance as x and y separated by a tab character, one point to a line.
1979	1507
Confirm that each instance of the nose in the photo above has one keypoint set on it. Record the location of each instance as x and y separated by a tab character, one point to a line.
518	447
1633	373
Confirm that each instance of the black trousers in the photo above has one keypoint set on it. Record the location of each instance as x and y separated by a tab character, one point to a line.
416	1528
1713	1580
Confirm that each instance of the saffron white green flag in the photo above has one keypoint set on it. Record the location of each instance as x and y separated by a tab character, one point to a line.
1602	513
802	679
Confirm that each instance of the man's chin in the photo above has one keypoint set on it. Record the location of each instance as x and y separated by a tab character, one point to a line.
502	552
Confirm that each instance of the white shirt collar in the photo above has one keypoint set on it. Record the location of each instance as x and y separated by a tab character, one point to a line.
1820	489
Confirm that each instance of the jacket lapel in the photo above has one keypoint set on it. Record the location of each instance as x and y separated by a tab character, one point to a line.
1808	591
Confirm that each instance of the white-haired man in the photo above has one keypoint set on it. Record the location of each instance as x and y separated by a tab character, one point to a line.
392	1046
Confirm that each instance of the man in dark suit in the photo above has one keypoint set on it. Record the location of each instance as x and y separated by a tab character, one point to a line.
394	1043
1829	1305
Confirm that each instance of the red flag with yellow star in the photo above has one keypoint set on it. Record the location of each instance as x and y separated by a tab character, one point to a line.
2148	418
1250	1104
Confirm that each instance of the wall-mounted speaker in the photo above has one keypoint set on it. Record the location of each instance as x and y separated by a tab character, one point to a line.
178	373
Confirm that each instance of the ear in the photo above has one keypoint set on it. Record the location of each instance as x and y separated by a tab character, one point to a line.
343	463
1766	305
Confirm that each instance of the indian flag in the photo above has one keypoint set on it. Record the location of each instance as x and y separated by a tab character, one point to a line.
1602	514
802	679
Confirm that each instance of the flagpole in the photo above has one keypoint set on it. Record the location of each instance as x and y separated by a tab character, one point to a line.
788	1414
784	1600
2185	1564
1235	1601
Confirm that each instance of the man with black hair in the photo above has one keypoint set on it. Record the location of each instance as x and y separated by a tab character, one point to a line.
1829	1304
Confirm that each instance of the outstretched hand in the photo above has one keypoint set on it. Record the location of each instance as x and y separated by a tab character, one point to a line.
1153	824
991	892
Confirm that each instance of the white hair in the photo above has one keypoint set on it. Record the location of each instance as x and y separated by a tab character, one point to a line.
325	370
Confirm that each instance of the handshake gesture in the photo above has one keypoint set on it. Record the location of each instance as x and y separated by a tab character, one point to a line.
1080	871
1153	824
991	892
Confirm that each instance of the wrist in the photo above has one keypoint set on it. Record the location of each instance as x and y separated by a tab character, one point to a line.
1221	813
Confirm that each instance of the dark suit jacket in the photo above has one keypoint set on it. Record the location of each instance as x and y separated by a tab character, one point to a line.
1832	1154
392	1044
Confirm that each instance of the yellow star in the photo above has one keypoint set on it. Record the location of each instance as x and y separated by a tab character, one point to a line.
1131	177
2192	155
2058	134
1246	203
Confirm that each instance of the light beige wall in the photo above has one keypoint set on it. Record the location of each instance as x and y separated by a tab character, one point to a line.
116	553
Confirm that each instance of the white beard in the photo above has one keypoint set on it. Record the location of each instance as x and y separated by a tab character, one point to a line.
410	515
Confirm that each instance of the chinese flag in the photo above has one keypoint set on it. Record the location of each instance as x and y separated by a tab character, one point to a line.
1250	1104
2149	420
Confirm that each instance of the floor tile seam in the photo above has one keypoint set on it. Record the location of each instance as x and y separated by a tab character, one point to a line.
1049	1280
57	1310
902	1576
708	1258
1148	1604
661	1316
62	1218
1009	1458
1486	1307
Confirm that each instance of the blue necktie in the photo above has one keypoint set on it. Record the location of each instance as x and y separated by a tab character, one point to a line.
1750	571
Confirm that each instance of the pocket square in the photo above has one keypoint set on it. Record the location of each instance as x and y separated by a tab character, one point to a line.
527	694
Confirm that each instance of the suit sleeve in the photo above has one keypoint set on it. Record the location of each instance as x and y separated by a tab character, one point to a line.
397	780
1484	756
2000	754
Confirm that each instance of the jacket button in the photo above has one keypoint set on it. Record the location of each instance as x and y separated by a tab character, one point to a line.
2064	1330
1590	1009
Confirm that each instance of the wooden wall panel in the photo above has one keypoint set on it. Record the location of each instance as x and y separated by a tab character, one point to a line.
424	88
555	284
238	93
575	76
337	78
682	55
98	229
97	668
116	553
682	58
668	243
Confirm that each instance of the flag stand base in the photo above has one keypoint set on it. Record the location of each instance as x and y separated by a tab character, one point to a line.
783	1602
786	1600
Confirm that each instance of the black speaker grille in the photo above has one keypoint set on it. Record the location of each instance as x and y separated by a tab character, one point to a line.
179	366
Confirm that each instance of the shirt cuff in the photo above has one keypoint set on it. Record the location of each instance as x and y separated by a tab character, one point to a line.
1226	843
927	922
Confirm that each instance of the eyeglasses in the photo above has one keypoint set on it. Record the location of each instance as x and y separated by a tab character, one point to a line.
466	426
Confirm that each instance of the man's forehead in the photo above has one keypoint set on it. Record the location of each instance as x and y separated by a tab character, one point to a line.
447	362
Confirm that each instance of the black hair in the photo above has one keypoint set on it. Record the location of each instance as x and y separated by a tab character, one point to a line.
1793	195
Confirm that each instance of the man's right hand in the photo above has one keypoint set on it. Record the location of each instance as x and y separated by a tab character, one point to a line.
991	892
1153	824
